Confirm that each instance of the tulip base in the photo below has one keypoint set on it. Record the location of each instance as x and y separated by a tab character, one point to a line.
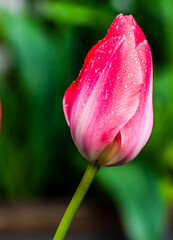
79	195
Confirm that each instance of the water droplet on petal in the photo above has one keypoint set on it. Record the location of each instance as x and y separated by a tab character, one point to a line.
96	70
110	51
134	22
126	86
110	65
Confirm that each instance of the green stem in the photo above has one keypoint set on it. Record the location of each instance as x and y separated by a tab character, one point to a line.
76	201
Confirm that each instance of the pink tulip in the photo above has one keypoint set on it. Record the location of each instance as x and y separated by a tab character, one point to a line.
109	106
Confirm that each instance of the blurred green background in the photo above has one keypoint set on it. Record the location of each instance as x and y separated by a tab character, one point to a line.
42	48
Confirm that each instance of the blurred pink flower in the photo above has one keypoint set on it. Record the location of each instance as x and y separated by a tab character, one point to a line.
109	107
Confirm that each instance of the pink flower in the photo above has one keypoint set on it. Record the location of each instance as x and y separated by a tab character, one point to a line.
109	106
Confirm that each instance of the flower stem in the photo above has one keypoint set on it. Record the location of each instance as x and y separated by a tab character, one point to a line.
76	201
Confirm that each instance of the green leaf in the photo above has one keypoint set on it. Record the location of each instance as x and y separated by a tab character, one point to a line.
77	15
135	189
35	94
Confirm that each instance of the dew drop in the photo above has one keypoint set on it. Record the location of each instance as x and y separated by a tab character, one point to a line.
106	96
110	82
96	70
134	22
126	86
83	104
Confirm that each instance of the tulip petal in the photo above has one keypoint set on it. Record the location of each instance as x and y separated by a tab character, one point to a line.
126	26
141	123
68	97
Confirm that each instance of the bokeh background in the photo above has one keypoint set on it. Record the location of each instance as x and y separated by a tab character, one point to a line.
42	48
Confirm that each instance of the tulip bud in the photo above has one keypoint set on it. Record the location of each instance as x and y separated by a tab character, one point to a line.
109	107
